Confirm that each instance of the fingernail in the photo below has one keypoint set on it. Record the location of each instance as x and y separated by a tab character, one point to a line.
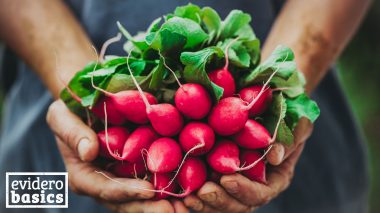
231	186
281	153
209	197
197	205
83	147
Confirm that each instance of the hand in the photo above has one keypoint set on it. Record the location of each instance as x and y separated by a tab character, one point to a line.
78	145
239	194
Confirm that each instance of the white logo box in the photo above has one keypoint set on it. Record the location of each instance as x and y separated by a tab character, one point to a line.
66	205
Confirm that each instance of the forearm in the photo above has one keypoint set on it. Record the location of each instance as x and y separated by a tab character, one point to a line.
45	34
317	31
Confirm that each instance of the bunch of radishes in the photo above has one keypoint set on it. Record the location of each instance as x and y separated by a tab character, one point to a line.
168	112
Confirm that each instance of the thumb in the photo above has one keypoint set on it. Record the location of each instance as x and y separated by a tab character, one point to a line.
72	131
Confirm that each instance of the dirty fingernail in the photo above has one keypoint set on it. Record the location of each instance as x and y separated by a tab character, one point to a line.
197	205
209	197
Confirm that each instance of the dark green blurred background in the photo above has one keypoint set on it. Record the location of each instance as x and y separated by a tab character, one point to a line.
359	72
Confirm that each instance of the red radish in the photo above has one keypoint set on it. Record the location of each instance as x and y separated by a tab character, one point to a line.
160	181
128	102
165	118
230	115
223	77
195	134
193	101
187	95
164	155
128	170
262	103
114	116
224	158
196	138
140	139
253	136
111	141
256	173
192	175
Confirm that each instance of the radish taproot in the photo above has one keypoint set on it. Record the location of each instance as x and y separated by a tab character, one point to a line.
262	103
224	158
164	155
160	181
256	173
195	134
253	136
111	141
128	170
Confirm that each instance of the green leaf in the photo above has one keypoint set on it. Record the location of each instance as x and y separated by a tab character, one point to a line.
169	41
301	106
157	76
293	87
281	60
189	11
235	20
276	112
284	134
155	25
237	53
187	28
212	22
195	68
120	82
139	44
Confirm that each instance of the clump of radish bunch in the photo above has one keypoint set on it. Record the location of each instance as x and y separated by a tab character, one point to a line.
190	101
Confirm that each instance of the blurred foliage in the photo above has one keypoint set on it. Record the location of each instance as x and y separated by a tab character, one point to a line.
360	77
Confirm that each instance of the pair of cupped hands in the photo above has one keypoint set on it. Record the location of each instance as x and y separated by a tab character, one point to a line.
78	145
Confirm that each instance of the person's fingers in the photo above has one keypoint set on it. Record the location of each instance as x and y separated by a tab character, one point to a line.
179	206
147	206
215	196
245	190
279	177
197	205
276	155
257	194
72	131
85	179
303	130
280	152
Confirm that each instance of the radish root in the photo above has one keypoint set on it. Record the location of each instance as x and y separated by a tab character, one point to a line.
106	44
